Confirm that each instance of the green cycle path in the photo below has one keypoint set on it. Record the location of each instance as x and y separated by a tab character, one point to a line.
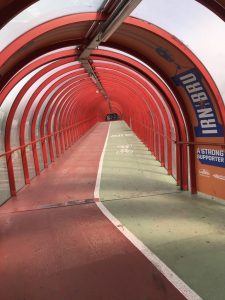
186	232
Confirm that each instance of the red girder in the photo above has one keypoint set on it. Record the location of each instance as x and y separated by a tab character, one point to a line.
58	63
67	106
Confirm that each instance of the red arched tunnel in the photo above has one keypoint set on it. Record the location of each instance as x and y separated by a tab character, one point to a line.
60	101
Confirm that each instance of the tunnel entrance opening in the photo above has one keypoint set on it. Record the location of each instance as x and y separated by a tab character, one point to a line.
112	117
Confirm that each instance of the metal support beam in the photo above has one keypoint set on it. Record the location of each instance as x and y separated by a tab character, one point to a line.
100	32
105	29
88	67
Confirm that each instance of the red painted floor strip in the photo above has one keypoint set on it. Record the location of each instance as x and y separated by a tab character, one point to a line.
71	252
71	177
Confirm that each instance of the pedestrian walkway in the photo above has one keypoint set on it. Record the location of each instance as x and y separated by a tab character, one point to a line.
71	177
129	169
57	244
186	232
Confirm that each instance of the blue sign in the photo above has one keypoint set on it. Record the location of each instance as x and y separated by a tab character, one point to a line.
208	125
211	157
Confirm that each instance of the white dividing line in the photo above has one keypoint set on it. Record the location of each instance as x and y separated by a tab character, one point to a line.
99	175
179	284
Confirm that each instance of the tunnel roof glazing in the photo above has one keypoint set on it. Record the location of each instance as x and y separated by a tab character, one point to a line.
42	11
173	17
196	26
68	97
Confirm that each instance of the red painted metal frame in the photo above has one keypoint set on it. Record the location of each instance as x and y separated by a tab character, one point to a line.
33	66
57	105
156	110
57	101
12	179
75	109
131	21
37	31
27	37
57	64
23	120
157	151
42	100
9	122
176	111
71	106
138	124
42	127
65	110
49	103
15	7
216	6
184	154
137	94
9	9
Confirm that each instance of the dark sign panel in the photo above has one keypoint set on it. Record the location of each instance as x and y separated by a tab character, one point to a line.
208	125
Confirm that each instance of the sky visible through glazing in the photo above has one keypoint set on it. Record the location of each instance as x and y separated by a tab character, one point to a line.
196	26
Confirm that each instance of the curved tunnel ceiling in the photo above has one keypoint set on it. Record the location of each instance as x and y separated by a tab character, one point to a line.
190	94
10	8
163	52
217	6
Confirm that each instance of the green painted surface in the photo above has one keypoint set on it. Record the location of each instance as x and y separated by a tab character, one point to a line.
186	232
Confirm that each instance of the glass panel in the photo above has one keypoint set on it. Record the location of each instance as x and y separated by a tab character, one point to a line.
30	161
41	12
39	82
48	151
16	156
4	181
174	158
165	152
20	109
18	169
3	116
32	110
53	146
65	95
29	153
191	22
55	119
40	156
4	111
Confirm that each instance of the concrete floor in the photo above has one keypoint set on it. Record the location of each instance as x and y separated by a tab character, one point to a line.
186	232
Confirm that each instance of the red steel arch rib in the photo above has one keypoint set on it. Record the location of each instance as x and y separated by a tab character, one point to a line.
157	154
32	80
58	101
216	6
172	60
23	121
35	79
10	8
162	57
